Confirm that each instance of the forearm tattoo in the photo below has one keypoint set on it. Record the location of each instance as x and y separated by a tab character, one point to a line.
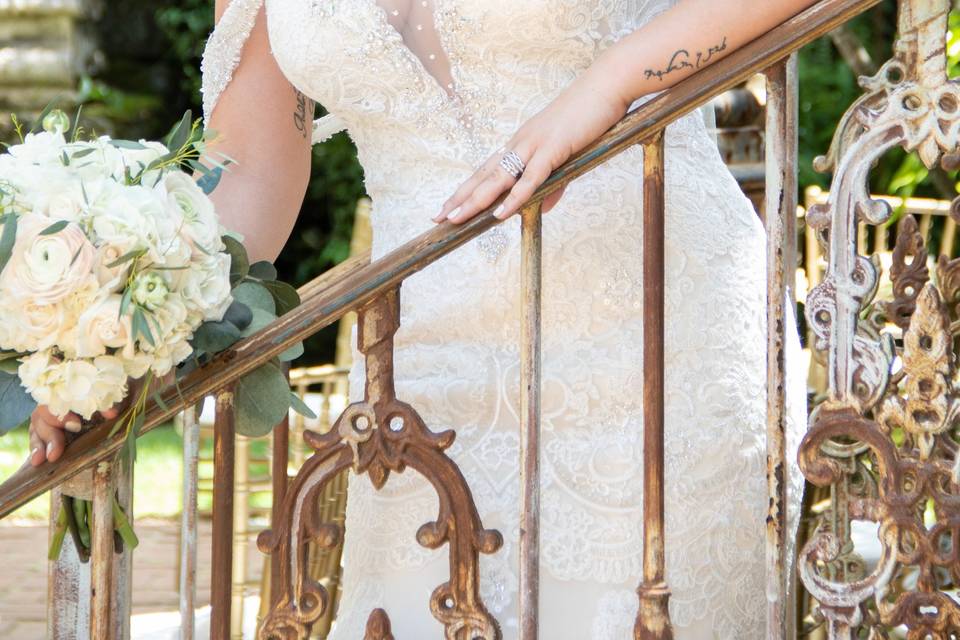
302	116
683	59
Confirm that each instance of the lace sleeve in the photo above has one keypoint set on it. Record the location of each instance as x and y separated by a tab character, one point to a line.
222	54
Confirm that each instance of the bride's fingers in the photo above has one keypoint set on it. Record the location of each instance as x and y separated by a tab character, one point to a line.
464	191
537	172
70	422
484	195
51	437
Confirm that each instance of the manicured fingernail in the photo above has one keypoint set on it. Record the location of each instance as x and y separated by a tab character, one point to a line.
498	213
439	217
34	452
73	426
453	214
49	448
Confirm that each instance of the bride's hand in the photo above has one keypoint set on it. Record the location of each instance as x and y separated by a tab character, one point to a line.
47	437
580	115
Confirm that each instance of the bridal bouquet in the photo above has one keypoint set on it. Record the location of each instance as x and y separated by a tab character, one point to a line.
114	266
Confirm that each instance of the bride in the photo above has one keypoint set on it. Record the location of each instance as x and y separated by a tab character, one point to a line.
430	90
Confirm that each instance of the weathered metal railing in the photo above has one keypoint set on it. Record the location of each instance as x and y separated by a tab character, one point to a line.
885	439
908	103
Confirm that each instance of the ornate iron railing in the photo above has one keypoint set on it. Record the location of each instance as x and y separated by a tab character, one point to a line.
883	440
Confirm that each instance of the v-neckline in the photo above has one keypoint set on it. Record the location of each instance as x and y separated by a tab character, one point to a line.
396	36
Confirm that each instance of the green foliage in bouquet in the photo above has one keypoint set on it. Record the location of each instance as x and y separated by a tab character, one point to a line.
154	285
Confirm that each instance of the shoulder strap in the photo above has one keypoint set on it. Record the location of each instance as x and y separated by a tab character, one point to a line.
221	56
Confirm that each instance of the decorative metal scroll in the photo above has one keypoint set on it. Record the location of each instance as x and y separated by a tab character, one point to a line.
378	436
886	437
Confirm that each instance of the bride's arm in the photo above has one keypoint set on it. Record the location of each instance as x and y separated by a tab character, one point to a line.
688	37
265	125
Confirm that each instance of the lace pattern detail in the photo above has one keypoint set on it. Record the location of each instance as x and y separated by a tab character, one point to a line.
456	356
221	56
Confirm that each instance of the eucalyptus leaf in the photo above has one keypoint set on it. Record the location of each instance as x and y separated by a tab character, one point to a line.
208	183
56	227
214	337
239	315
127	257
7	239
261	400
260	320
263	270
16	404
255	296
83	153
127	144
180	133
285	296
239	262
292	353
298	405
9	365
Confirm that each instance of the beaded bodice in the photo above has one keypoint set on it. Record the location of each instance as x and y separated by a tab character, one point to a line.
434	85
427	89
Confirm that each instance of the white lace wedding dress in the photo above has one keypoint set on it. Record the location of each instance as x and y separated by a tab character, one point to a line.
427	89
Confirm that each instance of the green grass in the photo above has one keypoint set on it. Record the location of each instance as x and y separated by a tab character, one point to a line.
157	475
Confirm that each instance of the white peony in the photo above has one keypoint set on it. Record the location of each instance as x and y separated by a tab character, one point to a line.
45	269
39	148
83	386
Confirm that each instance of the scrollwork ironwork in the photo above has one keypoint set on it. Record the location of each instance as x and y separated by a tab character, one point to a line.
379	436
891	411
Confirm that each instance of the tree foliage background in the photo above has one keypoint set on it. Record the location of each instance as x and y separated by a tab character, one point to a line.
150	75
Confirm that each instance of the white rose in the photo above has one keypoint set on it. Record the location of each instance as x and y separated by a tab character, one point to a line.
140	159
200	226
81	386
43	147
101	327
206	286
111	278
45	269
27	326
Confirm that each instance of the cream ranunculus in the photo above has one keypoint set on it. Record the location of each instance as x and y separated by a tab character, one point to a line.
45	269
81	386
101	327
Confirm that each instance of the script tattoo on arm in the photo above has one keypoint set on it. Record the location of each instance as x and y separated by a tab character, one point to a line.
683	59
302	118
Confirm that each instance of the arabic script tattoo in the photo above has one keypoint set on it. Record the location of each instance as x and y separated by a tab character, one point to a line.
683	59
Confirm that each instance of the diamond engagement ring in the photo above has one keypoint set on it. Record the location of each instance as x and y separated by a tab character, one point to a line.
512	164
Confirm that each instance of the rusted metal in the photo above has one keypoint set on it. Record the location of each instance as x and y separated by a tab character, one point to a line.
653	618
221	563
241	525
884	438
101	552
188	524
281	454
781	207
378	626
531	250
378	436
326	302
